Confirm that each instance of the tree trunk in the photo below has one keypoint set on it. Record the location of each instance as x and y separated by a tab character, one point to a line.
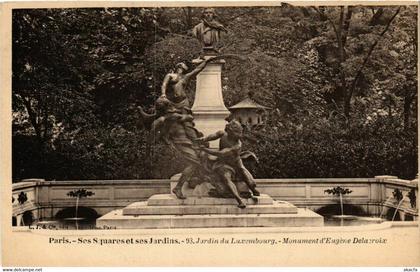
33	119
305	11
188	17
347	106
376	17
346	25
362	66
407	108
341	56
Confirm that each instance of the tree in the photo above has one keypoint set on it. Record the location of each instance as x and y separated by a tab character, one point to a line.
350	71
341	82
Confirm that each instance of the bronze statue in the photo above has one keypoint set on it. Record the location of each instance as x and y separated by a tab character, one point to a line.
174	84
176	129
173	124
173	121
220	167
208	32
176	122
229	163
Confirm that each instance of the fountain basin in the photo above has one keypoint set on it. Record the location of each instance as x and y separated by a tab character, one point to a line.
351	220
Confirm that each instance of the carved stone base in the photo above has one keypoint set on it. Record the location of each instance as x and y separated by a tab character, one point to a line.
171	200
206	189
166	211
159	205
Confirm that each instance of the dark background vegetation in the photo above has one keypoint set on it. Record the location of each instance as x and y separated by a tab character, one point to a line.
341	82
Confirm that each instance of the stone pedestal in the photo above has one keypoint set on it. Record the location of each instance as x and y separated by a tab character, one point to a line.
167	211
202	189
209	109
166	204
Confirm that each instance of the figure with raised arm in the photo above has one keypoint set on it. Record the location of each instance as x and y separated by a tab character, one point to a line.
174	84
174	91
229	163
173	121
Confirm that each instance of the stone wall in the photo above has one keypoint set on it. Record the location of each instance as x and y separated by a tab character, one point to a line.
46	198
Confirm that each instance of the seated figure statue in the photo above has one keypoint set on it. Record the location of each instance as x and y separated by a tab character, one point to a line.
228	164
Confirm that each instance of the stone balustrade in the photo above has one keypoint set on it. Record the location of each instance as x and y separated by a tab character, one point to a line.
44	199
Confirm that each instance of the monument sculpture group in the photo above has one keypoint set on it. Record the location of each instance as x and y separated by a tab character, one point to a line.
174	124
214	180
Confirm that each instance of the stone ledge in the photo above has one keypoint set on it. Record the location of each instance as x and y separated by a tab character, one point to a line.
172	200
385	177
141	208
81	183
24	185
115	219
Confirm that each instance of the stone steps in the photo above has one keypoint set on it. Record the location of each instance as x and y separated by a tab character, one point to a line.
165	211
171	200
142	208
116	219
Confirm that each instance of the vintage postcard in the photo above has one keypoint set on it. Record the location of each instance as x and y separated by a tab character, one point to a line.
210	134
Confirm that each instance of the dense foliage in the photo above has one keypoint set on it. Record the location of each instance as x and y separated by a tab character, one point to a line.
341	83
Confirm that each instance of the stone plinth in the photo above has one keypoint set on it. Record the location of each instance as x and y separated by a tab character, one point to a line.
208	94
202	189
172	200
303	218
209	110
141	208
166	211
169	204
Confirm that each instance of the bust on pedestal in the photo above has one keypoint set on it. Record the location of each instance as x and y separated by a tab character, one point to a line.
209	109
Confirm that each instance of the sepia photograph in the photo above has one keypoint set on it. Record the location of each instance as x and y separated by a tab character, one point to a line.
210	134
